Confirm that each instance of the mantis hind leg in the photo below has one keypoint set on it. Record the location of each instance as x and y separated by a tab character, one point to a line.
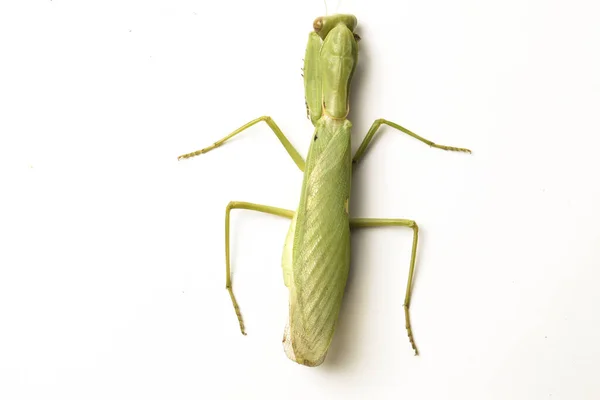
369	223
375	126
284	141
244	206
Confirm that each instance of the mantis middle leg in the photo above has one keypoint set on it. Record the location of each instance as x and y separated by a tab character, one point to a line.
375	126
284	141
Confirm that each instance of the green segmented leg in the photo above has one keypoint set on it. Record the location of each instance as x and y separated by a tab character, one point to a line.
253	207
313	87
375	126
284	141
372	222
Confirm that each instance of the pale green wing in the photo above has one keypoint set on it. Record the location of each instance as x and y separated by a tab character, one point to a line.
321	251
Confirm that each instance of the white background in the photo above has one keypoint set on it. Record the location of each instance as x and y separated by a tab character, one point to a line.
112	252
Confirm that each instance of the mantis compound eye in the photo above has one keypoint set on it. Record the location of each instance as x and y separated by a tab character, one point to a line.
318	24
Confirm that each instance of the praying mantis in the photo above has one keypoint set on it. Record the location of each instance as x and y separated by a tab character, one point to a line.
316	254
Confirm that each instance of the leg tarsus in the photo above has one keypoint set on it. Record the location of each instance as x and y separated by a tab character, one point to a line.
409	330
236	307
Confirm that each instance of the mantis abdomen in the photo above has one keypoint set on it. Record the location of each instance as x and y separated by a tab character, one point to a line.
320	244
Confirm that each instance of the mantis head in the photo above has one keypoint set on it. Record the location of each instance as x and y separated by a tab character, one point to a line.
323	25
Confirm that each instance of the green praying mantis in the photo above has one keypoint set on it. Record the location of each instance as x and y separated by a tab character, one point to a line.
316	254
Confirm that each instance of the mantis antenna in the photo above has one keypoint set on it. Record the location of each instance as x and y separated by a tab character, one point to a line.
337	7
